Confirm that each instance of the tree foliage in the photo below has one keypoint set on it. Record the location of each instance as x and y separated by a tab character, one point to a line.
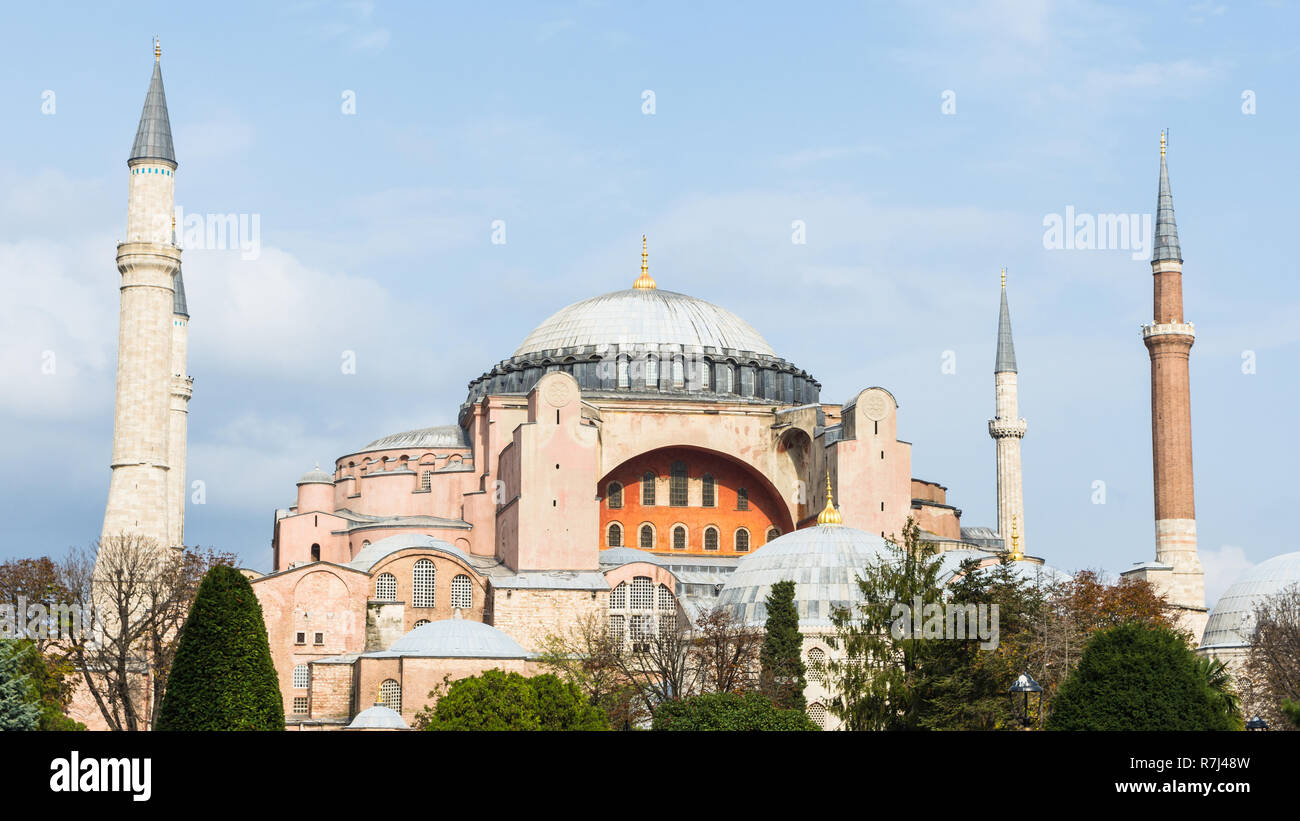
497	700
223	677
1273	661
19	706
729	712
782	678
1137	677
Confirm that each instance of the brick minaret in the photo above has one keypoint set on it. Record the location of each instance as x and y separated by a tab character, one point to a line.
142	494
1007	429
1177	569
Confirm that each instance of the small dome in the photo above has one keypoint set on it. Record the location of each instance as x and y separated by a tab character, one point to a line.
371	554
439	436
1233	619
457	638
316	476
616	556
1034	572
823	562
648	317
378	717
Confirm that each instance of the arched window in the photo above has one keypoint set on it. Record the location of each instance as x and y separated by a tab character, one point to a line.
618	597
315	553
301	676
772	533
643	594
710	538
391	694
677	485
742	499
724	378
679	372
647	537
742	540
706	376
386	587
462	593
652	372
365	544
817	712
423	580
679	538
816	662
615	496
623	381
614	538
709	491
667	615
648	489
421	623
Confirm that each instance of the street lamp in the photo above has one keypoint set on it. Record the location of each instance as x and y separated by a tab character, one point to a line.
1257	723
1026	685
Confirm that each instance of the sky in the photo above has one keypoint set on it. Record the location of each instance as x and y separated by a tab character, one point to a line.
381	148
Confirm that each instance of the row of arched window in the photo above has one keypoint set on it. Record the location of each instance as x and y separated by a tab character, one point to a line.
424	577
678	486
647	537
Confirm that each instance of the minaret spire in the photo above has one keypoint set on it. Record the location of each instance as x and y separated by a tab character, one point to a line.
1007	429
1177	571
153	137
644	282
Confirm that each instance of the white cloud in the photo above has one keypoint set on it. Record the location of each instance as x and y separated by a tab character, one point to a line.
1222	567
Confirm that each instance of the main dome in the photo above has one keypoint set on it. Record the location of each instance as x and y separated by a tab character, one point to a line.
645	317
1232	621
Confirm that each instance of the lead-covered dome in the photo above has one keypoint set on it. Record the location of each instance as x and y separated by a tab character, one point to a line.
1233	619
456	638
823	562
645	317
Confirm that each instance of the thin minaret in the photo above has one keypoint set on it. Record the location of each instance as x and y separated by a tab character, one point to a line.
1007	429
1169	340
142	493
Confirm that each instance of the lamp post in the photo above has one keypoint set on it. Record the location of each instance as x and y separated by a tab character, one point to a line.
1024	684
1257	723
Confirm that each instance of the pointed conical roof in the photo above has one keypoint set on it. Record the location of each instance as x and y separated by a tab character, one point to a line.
1166	241
153	139
178	301
1006	360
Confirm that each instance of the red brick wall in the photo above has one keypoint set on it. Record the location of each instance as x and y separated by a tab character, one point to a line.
763	512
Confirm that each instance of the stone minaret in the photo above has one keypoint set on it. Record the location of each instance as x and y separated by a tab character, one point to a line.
177	433
1007	429
1169	340
143	493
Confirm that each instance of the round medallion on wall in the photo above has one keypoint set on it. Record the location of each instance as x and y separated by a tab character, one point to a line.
559	391
874	404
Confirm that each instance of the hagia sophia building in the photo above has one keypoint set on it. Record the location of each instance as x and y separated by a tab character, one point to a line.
642	456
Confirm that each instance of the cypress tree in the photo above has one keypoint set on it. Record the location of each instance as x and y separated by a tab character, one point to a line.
223	677
782	677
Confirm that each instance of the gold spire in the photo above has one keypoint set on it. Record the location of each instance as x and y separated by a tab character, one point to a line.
379	697
1016	555
644	282
1162	143
157	50
1004	276
829	515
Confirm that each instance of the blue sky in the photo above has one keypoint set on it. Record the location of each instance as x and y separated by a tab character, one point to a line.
376	230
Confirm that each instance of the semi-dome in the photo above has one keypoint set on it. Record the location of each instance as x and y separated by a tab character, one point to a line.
1232	621
378	717
439	436
645	317
456	638
824	563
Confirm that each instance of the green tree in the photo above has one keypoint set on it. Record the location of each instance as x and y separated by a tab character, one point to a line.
1214	674
51	684
19	706
782	669
223	677
881	676
1137	677
497	700
729	712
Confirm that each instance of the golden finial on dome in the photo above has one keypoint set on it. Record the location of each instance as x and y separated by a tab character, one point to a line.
1016	555
379	697
644	282
829	515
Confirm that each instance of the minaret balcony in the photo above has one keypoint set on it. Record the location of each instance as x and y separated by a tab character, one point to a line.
1169	329
1007	428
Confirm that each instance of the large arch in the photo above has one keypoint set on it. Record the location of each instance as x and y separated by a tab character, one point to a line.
743	498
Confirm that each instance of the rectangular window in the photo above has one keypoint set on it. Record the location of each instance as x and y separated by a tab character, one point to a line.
320	638
652	373
300	705
677	485
301	676
678	372
299	638
622	372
